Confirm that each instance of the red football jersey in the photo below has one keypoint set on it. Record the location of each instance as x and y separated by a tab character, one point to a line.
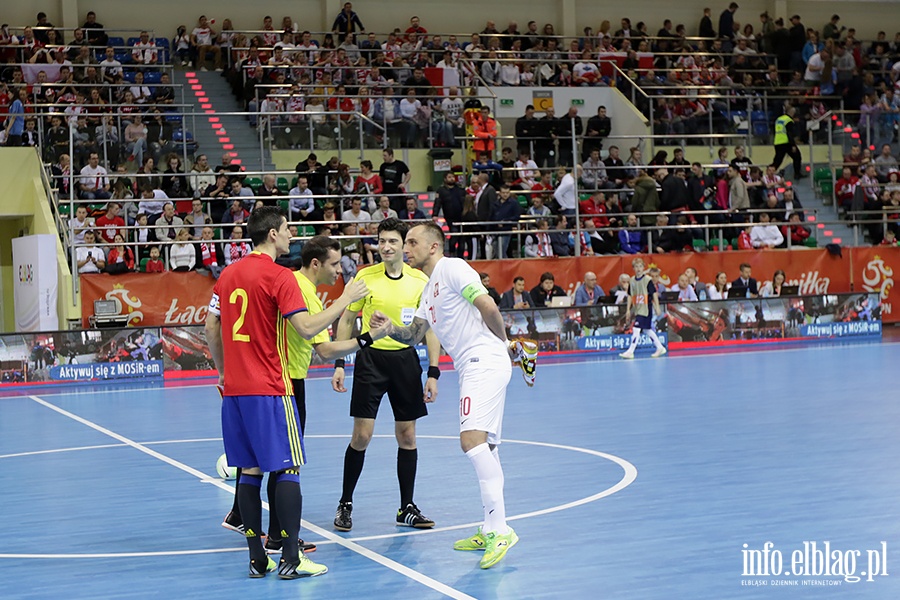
253	298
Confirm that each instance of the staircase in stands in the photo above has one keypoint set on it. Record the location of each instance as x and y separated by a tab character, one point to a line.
216	133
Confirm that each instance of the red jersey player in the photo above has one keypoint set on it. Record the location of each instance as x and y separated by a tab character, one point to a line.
252	302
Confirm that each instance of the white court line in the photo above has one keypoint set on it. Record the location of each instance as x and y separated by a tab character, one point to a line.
128	554
352	546
627	479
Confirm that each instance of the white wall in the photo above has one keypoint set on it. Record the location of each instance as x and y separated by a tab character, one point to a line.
460	16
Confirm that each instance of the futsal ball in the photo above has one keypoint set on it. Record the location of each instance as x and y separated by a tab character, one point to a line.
223	470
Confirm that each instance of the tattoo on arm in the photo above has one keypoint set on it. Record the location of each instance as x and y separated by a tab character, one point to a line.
412	334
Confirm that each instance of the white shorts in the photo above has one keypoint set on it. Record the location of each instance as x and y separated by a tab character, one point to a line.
482	396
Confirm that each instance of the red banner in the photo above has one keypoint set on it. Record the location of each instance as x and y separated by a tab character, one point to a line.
873	271
158	299
814	271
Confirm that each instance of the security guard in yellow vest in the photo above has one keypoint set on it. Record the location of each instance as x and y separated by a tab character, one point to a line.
785	136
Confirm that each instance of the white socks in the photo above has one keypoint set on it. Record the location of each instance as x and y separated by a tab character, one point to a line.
490	479
655	338
636	336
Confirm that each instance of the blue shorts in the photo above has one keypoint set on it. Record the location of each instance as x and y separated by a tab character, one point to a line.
262	431
643	322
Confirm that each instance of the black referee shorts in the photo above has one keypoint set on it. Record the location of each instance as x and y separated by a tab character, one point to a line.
396	373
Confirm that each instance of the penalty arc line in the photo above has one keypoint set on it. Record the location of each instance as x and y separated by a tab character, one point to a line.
352	546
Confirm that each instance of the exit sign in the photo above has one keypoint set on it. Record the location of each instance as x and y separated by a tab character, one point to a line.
506	101
577	102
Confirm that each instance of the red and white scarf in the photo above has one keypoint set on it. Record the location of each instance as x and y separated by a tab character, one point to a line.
209	254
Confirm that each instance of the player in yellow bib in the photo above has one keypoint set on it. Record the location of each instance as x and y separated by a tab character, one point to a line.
387	367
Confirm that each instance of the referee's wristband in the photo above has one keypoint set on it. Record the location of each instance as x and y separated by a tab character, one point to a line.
434	373
339	363
364	340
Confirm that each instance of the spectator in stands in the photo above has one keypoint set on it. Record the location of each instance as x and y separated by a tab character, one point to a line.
144	51
594	171
885	163
355	214
484	129
507	214
795	230
538	244
169	224
94	183
630	237
120	258
518	297
346	23
302	203
154	264
245	193
89	258
79	224
559	239
237	214
565	193
738	197
201	175
182	255
211	255
15	120
136	139
383	210
588	292
746	281
395	176
686	293
174	181
678	239
546	290
492	292
412	212
110	223
236	249
845	188
773	288
202	44
196	220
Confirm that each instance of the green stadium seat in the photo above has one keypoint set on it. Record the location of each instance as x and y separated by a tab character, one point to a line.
143	266
699	245
282	184
284	205
822	174
811	242
523	201
253	182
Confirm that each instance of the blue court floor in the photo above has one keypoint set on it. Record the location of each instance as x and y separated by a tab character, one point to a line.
649	479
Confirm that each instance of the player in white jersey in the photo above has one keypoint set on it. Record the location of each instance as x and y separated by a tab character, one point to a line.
457	307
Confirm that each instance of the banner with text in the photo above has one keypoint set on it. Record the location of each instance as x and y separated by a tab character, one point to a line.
35	283
81	355
161	299
740	321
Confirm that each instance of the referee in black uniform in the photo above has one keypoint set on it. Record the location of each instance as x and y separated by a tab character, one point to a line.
387	367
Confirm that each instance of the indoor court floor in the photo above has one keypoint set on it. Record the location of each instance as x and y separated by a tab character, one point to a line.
647	479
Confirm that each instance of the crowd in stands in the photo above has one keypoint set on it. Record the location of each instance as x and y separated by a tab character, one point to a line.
131	161
683	287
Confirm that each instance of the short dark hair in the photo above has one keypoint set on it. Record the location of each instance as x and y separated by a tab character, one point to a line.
367	164
433	230
392	224
546	276
261	221
317	248
388	150
745	265
518	278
